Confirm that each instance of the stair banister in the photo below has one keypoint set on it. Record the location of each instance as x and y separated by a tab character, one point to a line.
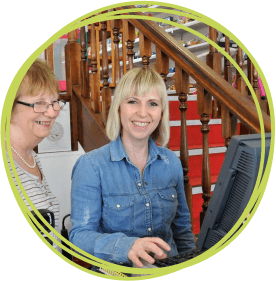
244	109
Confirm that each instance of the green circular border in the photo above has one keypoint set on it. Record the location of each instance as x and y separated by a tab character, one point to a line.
258	192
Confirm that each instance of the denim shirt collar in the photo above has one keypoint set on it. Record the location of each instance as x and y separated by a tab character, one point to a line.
118	153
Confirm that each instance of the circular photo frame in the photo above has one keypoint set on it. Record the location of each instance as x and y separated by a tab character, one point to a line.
150	15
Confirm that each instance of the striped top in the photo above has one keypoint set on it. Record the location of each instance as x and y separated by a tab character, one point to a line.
38	192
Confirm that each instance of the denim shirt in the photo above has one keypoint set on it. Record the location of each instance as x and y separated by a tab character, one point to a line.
113	205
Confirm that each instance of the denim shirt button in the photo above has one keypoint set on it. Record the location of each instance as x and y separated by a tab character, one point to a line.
173	196
139	184
149	229
147	204
118	206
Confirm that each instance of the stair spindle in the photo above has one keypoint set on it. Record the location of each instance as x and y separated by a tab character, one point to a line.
116	69
84	65
228	121
204	102
213	60
227	64
241	86
255	84
49	56
162	64
129	37
182	86
95	73
263	103
106	91
145	49
249	76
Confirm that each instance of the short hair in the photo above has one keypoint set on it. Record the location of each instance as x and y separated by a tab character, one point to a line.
139	81
39	78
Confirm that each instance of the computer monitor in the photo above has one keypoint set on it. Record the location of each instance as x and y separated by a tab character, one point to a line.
234	187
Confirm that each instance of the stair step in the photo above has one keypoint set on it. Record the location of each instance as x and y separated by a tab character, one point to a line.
191	113
199	151
195	137
195	168
198	189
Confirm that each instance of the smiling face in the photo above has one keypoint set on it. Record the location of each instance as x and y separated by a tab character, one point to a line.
36	126
140	115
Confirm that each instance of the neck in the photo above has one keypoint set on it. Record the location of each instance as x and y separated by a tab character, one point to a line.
137	150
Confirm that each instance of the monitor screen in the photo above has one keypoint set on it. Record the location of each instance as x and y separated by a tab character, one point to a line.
234	187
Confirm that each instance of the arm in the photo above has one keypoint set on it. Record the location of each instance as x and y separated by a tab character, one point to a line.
181	225
86	208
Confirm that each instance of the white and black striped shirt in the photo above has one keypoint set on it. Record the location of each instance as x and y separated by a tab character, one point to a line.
38	192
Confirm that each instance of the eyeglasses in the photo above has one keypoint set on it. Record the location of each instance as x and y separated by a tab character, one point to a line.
42	106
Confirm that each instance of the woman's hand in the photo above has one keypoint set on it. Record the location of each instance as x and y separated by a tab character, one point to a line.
142	246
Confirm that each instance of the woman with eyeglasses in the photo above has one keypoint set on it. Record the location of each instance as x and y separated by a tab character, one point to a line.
35	108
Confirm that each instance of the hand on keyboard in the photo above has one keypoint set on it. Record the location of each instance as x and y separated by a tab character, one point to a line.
142	247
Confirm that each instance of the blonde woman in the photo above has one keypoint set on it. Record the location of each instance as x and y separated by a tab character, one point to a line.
128	197
35	108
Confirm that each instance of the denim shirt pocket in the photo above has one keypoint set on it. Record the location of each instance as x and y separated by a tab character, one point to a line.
168	203
118	213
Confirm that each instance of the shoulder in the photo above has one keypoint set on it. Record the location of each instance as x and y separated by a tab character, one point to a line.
168	154
94	157
98	155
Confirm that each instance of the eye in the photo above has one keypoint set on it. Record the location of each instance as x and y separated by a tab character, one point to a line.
153	103
131	102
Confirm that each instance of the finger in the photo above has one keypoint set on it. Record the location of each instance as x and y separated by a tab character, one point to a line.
146	257
161	243
154	248
136	261
160	257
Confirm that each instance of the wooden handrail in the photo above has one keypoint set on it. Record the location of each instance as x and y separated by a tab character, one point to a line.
240	106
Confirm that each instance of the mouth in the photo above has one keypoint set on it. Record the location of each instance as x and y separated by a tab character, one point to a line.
45	123
141	124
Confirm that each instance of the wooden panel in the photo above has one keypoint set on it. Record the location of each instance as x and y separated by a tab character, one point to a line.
91	131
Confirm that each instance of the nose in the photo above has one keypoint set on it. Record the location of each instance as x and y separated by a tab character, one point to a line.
142	110
50	112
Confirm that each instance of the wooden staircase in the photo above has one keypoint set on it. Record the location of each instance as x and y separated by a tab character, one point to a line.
201	125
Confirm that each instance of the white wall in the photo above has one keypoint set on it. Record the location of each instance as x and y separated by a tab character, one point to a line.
57	168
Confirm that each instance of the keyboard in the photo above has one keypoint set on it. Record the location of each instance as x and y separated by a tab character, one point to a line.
173	260
177	259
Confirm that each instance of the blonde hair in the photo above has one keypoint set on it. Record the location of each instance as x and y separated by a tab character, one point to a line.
39	78
139	81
